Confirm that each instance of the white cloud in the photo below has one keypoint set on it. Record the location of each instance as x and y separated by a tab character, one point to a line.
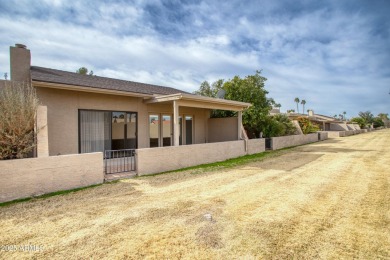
326	54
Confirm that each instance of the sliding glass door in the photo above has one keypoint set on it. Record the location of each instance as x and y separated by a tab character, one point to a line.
107	130
94	131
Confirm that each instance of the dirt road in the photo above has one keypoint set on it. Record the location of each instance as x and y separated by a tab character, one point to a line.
329	200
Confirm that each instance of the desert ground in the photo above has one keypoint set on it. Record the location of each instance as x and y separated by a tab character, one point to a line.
328	200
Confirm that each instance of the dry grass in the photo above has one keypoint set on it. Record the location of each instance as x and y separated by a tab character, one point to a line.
328	200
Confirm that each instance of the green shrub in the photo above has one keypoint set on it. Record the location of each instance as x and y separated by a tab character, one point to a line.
18	106
360	121
307	126
278	125
378	122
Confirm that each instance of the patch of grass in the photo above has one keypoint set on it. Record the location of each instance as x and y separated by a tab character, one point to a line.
226	164
48	195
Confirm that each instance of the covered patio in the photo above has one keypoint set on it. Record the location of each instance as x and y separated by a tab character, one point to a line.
177	102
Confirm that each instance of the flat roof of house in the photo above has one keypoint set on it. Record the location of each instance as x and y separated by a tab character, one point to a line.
75	79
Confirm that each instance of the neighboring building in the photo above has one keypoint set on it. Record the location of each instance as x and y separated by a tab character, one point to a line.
91	113
274	111
326	123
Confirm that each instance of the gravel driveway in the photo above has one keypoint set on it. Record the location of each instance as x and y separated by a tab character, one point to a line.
325	200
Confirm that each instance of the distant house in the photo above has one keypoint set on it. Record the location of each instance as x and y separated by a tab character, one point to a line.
91	113
326	123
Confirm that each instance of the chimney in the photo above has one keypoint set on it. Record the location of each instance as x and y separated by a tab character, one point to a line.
20	62
311	112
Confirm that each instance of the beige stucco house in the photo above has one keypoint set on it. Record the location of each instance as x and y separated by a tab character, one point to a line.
91	113
325	123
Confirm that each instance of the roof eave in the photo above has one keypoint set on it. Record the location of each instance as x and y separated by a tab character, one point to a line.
235	105
43	84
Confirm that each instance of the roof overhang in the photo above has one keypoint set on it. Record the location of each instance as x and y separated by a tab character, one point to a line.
42	84
317	118
325	119
189	100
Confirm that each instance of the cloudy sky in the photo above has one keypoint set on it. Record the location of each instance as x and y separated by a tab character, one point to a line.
335	54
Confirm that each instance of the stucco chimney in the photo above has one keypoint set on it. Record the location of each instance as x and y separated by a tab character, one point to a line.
20	62
311	112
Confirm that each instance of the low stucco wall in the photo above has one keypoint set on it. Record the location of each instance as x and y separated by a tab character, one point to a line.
161	159
256	146
24	178
335	134
293	140
222	129
322	136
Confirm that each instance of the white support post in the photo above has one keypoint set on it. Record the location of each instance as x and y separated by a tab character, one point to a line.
176	130
239	125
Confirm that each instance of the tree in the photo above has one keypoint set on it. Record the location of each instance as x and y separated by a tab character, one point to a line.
344	113
278	125
18	106
377	122
84	71
296	100
367	116
303	102
208	90
360	121
383	116
249	89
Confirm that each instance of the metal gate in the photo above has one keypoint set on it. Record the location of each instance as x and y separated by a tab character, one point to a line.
116	161
268	143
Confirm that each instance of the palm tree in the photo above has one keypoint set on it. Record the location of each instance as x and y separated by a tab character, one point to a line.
303	102
296	100
344	113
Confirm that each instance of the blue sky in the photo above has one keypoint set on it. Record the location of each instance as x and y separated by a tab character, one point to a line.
334	54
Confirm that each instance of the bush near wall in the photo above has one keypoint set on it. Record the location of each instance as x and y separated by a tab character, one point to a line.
278	125
18	106
307	126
